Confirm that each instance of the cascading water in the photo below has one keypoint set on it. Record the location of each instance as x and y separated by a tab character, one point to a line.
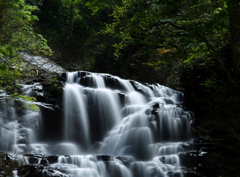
19	124
130	130
118	118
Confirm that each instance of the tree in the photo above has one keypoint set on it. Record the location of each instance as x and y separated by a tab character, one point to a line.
17	35
97	6
196	30
17	28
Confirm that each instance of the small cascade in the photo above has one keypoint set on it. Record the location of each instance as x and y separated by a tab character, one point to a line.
19	124
92	110
79	165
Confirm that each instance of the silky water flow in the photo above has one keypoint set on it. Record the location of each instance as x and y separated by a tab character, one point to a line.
112	128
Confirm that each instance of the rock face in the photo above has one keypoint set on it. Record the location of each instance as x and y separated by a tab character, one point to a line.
51	115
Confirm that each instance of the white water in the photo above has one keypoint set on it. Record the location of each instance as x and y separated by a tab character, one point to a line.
19	124
107	115
131	128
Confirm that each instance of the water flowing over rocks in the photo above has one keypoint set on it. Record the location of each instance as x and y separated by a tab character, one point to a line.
103	126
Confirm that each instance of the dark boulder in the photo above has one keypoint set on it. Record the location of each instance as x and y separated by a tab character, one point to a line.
33	160
52	159
44	162
30	171
105	158
64	75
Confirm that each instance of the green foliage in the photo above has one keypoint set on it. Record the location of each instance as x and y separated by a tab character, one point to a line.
28	99
35	2
7	51
17	35
16	28
97	6
70	25
198	30
76	34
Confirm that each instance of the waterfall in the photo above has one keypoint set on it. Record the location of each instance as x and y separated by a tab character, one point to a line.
145	122
19	125
111	128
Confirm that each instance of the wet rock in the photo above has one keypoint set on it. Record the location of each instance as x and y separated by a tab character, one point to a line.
122	98
162	159
87	81
137	86
172	174
9	159
109	82
105	158
112	83
34	155
52	159
22	140
168	101
33	160
64	75
148	112
189	159
53	99
44	162
126	160
83	73
3	165
155	110
191	173
156	106
30	171
196	144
